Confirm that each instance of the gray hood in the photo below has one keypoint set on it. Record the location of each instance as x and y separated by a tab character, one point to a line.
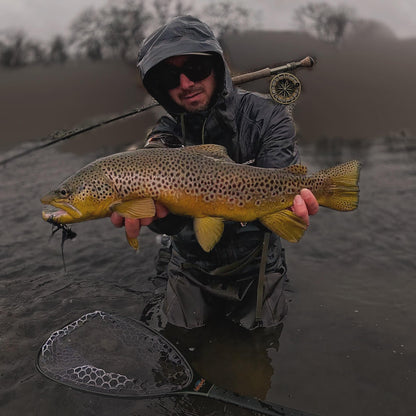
181	36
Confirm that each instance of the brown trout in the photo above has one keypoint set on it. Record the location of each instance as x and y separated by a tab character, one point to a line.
201	182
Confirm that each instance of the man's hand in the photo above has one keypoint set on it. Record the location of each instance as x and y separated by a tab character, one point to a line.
133	225
305	204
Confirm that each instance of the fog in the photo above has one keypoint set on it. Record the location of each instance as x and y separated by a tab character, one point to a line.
45	18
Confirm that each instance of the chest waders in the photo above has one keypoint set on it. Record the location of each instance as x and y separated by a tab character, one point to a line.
232	269
262	276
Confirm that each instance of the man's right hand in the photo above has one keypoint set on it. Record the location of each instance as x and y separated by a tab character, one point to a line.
133	225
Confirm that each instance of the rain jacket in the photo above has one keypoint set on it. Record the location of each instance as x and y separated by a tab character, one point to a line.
253	129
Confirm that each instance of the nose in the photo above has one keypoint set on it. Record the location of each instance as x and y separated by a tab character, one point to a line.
185	82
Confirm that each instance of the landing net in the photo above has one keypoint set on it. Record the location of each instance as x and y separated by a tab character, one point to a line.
105	354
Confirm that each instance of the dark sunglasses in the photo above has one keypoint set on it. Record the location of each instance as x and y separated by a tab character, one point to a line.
196	68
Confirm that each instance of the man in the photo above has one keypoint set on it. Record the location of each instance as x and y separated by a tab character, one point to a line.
182	66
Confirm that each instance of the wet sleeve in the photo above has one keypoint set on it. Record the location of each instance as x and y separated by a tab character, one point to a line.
163	134
278	146
165	126
170	225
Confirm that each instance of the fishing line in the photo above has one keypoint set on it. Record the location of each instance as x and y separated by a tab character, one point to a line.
280	93
62	135
67	234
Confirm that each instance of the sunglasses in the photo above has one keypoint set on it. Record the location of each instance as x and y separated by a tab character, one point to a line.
196	68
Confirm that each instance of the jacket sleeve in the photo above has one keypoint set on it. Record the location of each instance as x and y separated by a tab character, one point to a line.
273	135
278	146
170	225
166	126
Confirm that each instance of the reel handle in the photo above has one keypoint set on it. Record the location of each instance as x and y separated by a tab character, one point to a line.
306	62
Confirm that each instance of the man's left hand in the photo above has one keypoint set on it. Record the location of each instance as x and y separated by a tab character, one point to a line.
304	205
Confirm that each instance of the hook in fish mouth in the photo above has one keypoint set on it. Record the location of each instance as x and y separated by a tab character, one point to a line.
67	234
65	213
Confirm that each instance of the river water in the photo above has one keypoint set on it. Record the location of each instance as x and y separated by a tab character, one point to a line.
347	347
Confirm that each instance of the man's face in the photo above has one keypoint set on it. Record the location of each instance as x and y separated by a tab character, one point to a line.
193	96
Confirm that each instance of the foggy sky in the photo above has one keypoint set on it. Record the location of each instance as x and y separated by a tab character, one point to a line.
43	19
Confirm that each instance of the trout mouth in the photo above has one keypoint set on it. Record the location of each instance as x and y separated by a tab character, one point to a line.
61	213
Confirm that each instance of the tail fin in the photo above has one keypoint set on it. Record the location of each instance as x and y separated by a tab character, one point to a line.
341	186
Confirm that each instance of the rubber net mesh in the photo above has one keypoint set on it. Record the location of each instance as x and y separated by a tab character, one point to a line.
106	354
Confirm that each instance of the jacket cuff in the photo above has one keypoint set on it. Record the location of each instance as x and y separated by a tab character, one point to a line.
171	224
163	140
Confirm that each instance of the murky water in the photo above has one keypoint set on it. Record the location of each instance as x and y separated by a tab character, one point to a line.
347	347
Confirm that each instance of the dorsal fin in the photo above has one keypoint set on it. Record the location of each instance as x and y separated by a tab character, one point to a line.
215	151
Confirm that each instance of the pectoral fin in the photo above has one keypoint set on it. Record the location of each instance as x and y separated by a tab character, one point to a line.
285	224
208	231
136	208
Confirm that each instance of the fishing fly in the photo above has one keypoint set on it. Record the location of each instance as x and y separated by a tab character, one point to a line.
67	234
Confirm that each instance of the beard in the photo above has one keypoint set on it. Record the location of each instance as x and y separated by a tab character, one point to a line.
195	99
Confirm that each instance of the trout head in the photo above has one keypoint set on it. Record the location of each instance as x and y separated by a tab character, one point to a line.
86	195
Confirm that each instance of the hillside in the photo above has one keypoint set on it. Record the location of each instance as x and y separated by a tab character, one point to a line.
36	101
362	89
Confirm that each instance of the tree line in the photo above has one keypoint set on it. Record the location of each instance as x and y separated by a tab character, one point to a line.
117	29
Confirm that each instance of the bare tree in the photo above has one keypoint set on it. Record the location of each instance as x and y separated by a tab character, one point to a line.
116	30
15	49
327	22
167	9
36	53
87	34
226	17
124	26
94	50
58	52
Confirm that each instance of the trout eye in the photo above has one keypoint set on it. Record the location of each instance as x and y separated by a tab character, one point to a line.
63	192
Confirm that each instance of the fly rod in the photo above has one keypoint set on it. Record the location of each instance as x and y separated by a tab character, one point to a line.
286	85
307	62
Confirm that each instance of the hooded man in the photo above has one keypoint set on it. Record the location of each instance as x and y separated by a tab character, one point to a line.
183	68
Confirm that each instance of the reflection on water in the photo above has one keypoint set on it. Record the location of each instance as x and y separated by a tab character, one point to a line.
347	347
381	229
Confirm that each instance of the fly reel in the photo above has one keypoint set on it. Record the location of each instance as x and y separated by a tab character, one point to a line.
285	88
